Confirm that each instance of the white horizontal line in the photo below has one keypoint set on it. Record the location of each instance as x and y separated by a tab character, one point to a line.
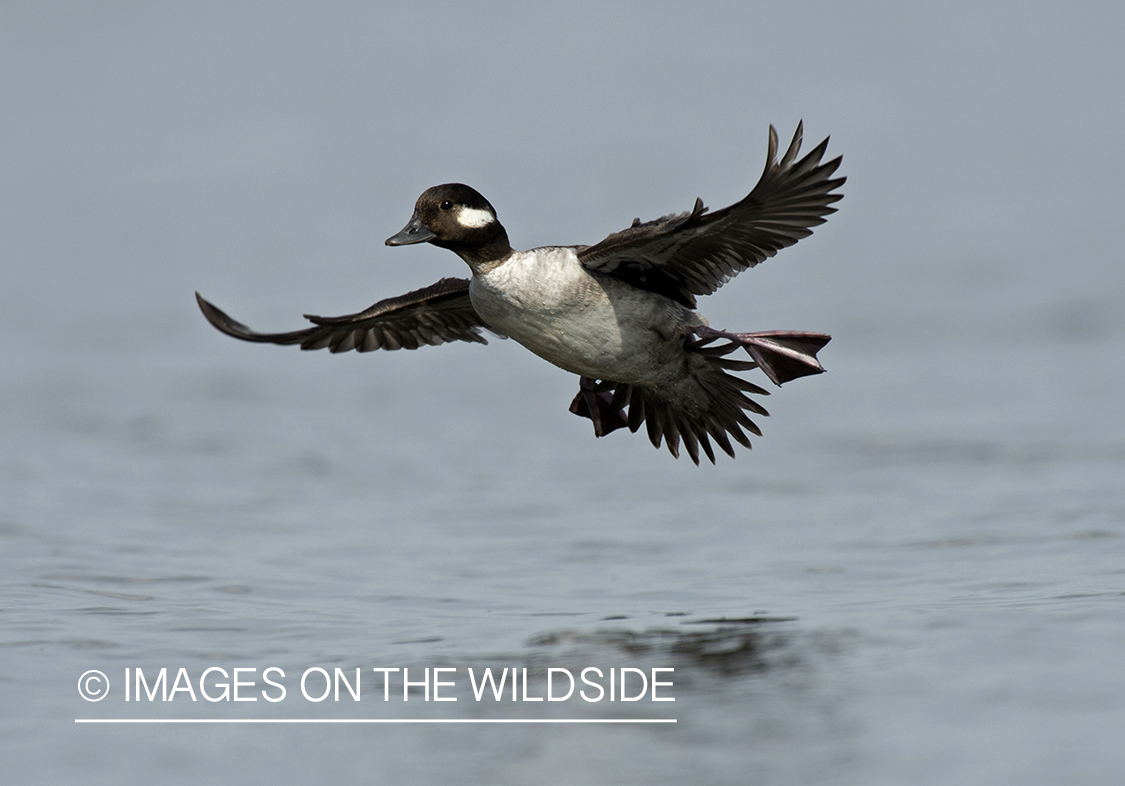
375	720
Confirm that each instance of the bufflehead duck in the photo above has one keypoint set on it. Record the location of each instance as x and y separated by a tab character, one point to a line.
620	314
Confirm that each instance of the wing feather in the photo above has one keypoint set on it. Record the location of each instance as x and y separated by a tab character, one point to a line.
431	316
694	253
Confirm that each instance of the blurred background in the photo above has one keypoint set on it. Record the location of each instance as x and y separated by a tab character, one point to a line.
929	536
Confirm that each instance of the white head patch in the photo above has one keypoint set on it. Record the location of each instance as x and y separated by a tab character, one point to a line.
474	217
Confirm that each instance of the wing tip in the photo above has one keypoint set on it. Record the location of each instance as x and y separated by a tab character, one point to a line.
218	318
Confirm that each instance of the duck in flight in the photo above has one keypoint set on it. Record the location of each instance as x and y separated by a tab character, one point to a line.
621	314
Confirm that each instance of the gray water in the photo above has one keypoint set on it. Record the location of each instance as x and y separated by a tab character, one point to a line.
916	576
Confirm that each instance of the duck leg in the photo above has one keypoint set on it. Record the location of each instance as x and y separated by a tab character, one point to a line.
783	354
595	401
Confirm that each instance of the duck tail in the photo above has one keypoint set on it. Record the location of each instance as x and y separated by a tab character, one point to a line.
720	415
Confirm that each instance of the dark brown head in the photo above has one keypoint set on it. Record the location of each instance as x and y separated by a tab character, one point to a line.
456	217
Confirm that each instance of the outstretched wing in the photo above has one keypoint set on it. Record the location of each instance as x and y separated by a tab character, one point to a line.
696	252
432	315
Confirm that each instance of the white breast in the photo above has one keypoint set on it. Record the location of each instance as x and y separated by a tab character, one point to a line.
586	323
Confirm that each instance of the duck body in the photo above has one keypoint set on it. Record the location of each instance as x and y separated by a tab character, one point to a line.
620	314
584	322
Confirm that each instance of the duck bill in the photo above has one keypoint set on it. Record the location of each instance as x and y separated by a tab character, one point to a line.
413	232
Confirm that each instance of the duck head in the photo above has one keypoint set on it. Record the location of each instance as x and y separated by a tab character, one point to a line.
456	217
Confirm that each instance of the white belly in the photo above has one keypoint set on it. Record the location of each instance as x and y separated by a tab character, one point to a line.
586	323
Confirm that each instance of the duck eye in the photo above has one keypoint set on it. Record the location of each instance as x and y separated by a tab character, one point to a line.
447	205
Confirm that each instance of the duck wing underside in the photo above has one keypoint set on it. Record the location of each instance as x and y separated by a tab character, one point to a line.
696	252
433	315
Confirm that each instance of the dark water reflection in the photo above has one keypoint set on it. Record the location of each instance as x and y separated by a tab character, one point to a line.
733	648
